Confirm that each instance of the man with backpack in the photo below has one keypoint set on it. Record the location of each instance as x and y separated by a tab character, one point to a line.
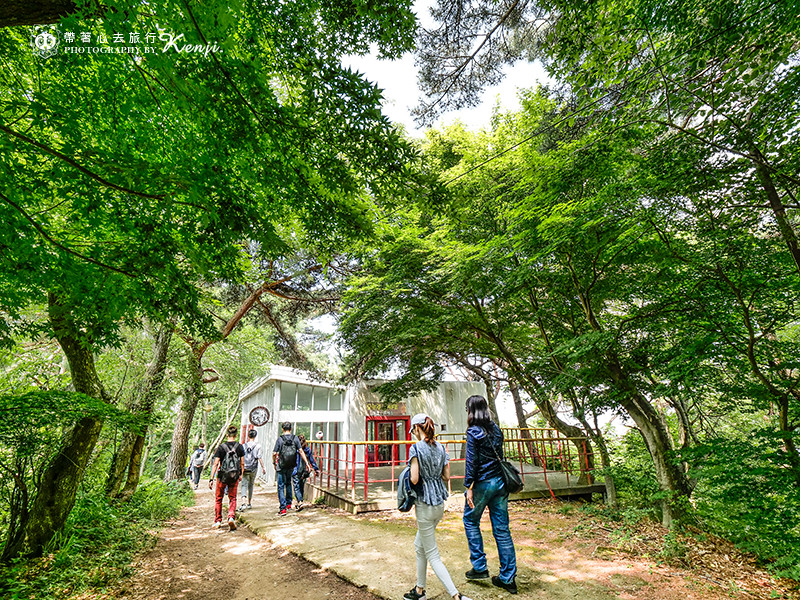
284	457
252	457
197	461
228	467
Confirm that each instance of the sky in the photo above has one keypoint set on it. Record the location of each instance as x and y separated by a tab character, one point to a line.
398	80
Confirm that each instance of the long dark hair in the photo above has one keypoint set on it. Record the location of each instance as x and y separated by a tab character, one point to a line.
478	413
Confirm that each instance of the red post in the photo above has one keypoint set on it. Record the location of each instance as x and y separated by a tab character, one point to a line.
353	474
544	464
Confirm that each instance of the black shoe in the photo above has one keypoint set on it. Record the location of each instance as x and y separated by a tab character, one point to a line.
473	574
413	595
510	587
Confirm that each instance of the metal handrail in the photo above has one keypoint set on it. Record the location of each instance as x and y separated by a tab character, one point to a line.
339	464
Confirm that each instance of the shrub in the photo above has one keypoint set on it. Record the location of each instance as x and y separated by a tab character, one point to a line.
746	493
98	544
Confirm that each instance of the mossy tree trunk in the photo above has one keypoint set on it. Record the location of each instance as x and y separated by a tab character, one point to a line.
176	461
56	492
123	470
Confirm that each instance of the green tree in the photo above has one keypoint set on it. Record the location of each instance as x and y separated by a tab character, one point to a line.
723	74
128	180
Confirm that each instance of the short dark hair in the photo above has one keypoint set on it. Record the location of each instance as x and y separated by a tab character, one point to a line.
232	431
286	426
252	433
202	445
478	412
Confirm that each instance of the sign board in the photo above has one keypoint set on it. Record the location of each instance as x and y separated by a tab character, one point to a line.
259	416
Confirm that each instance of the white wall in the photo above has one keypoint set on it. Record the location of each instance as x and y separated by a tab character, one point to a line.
267	397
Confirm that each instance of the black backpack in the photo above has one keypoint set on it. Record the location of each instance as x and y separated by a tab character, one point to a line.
229	468
287	457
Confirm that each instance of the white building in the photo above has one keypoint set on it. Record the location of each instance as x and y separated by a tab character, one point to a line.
355	413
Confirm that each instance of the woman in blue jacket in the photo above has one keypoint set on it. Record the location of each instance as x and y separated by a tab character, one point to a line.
300	473
485	489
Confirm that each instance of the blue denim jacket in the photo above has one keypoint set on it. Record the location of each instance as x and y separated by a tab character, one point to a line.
300	467
481	462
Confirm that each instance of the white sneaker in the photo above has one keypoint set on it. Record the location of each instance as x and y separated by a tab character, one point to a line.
248	507
232	523
217	524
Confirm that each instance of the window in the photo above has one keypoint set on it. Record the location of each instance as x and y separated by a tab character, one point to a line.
336	400
320	398
288	393
303	429
304	397
330	431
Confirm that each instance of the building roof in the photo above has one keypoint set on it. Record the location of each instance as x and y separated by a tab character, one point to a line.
281	373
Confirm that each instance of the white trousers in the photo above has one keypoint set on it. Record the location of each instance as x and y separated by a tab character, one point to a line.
428	518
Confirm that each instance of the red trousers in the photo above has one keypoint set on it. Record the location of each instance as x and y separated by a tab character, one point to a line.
219	492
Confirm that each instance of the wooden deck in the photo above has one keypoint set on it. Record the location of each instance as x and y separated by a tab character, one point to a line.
380	489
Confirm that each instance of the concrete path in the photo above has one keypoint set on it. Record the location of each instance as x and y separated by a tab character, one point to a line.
377	552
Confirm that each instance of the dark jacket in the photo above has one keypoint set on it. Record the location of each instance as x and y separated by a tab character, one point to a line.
300	467
481	462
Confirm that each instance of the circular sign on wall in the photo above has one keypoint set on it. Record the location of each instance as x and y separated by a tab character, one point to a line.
259	416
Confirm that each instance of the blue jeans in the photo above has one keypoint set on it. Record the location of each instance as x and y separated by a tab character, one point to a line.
492	494
298	484
196	475
284	488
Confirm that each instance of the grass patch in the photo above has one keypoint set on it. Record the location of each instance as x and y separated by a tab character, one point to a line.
98	544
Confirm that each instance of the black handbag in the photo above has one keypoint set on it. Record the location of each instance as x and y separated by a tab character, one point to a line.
510	474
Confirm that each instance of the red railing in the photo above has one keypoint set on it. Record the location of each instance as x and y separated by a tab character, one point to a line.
348	468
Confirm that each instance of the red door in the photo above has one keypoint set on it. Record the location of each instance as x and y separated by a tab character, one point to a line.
386	429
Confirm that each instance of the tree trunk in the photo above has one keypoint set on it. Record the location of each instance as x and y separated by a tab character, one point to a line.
58	487
671	478
600	442
134	468
779	212
491	399
577	436
685	431
142	405
522	420
788	439
605	461
178	452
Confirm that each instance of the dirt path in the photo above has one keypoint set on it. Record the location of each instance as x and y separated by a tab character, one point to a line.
193	561
562	554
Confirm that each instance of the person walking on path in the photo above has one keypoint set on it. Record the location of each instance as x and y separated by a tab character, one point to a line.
252	458
300	473
197	461
284	457
227	468
430	469
485	489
